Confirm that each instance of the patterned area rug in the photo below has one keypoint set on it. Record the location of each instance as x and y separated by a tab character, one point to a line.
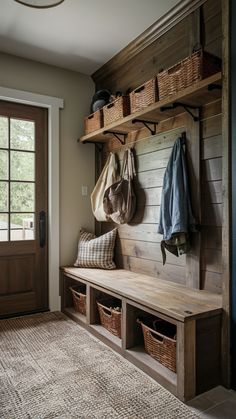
52	368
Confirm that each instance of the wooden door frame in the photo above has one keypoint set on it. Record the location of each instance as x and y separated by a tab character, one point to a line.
53	105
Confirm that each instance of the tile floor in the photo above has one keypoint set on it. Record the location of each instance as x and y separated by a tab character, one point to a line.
218	403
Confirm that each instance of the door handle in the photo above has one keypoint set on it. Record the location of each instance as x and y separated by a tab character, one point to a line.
42	228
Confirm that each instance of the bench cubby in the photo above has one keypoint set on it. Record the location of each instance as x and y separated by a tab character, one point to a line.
68	299
195	314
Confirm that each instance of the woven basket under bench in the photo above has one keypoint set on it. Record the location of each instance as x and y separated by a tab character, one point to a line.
160	342
198	66
110	318
79	298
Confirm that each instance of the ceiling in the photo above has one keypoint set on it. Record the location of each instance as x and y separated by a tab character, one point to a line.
79	35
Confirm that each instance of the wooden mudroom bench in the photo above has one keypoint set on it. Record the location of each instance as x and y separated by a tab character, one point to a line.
196	315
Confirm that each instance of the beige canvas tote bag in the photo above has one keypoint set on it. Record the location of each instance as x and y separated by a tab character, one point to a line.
108	176
119	200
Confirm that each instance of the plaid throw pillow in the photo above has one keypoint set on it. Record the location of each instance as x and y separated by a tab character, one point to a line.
96	252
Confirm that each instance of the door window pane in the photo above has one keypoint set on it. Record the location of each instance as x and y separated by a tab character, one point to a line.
3	165
3	196
22	227
22	134
22	196
22	165
3	132
3	227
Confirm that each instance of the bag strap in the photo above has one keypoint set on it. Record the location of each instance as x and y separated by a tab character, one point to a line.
128	167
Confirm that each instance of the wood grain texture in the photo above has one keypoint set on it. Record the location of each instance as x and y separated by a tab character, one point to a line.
211	281
226	183
168	298
153	268
193	155
208	356
139	232
169	34
138	244
211	237
211	109
147	250
211	126
186	360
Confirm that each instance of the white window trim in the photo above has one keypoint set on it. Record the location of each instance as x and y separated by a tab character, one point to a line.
53	105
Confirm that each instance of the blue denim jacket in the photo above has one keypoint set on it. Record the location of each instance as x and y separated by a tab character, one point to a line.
176	214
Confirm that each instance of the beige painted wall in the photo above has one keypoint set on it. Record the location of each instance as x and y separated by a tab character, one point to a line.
76	160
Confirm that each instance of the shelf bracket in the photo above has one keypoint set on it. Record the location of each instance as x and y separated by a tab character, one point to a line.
120	136
214	86
147	125
187	108
98	146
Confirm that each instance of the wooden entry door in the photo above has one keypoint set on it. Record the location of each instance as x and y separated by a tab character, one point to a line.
23	209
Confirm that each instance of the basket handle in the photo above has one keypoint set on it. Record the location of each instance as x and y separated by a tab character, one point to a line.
106	311
110	105
75	292
175	68
156	336
90	116
139	89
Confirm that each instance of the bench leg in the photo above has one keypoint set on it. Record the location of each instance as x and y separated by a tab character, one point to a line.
186	360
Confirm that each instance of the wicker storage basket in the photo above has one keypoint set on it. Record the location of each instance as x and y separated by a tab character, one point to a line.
198	66
79	298
110	318
144	95
115	110
161	343
93	122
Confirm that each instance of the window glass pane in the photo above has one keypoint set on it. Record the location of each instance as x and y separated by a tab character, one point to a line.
22	165
3	165
22	196
3	132
3	227
3	196
22	227
22	134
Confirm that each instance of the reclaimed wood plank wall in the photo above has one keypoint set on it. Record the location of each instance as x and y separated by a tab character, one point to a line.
138	246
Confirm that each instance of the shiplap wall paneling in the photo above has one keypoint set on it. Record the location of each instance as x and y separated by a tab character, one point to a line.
138	244
211	164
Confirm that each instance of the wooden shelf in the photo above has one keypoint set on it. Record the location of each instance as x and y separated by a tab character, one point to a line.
74	315
99	330
196	95
139	353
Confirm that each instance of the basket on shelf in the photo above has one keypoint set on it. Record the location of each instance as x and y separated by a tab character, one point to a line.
93	122
115	110
110	317
160	342
79	298
199	65
144	95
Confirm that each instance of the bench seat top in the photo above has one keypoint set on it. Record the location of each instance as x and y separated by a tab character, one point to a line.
171	299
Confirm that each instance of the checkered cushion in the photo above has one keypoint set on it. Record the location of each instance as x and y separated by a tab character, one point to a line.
96	252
